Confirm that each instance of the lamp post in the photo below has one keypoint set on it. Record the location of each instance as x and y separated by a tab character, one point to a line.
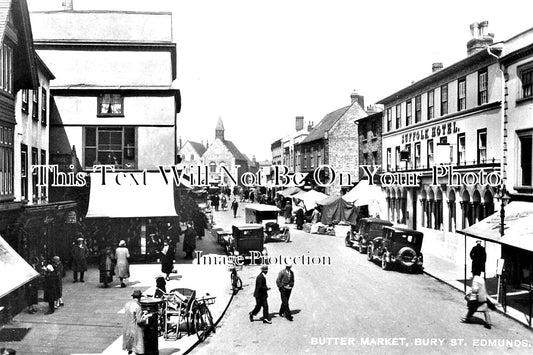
504	198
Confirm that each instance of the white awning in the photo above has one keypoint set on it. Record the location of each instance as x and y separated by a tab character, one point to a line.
518	229
125	199
14	269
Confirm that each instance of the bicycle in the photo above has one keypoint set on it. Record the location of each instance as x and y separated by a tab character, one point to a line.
236	282
201	316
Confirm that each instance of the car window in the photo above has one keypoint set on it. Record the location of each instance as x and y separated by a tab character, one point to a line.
407	238
376	227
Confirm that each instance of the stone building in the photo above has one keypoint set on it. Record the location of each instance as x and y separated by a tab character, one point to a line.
370	143
191	152
334	142
224	153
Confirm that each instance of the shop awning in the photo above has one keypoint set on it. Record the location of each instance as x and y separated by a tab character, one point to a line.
151	198
309	198
14	269
352	195
289	191
518	226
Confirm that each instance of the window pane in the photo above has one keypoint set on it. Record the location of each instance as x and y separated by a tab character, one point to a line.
526	159
90	137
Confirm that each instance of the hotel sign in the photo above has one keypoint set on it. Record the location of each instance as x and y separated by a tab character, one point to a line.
441	130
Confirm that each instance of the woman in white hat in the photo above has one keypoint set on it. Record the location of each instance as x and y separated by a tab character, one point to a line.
123	266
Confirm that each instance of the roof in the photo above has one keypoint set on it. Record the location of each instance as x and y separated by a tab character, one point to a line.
234	150
443	74
248	226
325	124
518	227
26	63
404	230
261	207
198	147
377	220
220	125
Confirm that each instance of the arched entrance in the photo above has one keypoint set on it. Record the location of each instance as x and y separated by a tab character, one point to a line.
465	207
451	211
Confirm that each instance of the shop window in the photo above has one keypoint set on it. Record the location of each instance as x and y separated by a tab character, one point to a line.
35	104
482	146
431	104
389	159
43	162
398	115
43	106
444	100
461	94
110	146
418	109
23	172
431	153
25	98
526	77
461	149
6	161
110	105
525	147
398	158
34	161
482	87
388	115
6	72
417	155
408	112
311	160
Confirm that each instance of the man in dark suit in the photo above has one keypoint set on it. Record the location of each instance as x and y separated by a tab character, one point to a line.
285	283
479	257
261	296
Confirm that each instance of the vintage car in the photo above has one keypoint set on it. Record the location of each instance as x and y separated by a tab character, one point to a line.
267	216
397	246
364	231
245	239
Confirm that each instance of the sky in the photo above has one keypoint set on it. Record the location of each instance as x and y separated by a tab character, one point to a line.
259	64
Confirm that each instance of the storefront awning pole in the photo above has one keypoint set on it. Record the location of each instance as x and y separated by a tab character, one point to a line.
465	265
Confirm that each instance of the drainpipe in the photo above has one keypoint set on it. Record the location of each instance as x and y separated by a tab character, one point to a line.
502	110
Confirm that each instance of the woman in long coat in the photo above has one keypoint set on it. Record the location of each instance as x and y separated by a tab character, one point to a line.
106	266
50	287
167	259
189	241
123	265
133	337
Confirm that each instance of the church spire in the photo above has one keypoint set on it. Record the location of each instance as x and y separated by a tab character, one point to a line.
219	130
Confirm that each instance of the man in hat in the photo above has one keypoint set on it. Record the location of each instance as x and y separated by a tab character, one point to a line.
285	283
478	256
261	296
134	319
79	252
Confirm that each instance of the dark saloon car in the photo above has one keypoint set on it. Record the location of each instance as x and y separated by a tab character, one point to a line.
366	230
398	247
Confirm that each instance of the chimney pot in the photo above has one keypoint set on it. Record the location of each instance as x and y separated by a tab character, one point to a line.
354	96
436	66
480	38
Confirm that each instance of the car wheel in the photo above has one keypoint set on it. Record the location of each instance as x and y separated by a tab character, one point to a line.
287	235
406	256
369	252
347	241
384	263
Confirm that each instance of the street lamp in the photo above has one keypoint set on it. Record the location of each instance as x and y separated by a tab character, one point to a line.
504	198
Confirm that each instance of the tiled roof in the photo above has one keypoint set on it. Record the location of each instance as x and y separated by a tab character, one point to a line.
325	124
233	150
5	5
198	147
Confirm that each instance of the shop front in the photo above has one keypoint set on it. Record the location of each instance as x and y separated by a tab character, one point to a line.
140	211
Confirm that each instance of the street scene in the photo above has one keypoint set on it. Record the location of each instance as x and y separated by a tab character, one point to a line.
208	177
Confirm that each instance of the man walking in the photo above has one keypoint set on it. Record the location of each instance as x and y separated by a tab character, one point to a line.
285	283
479	257
79	259
234	207
261	296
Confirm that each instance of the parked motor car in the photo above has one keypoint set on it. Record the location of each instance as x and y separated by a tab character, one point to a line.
364	231
245	239
398	247
267	216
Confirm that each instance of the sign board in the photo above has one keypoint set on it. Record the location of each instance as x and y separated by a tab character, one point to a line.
14	269
499	266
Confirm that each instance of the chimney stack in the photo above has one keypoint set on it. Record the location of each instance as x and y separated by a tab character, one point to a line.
480	38
436	66
299	123
354	96
68	5
310	126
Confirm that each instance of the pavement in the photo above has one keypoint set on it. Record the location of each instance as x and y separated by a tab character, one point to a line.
91	320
